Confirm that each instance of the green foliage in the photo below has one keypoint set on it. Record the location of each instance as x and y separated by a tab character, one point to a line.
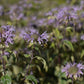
6	79
31	78
26	55
68	44
43	61
82	53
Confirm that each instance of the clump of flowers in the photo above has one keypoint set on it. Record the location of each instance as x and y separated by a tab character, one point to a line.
29	35
33	35
43	37
7	34
73	70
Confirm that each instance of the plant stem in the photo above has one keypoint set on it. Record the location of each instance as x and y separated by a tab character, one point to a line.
72	81
3	62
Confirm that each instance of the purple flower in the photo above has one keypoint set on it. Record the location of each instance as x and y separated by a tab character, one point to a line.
76	8
50	21
29	36
16	12
82	37
30	5
74	39
41	22
7	34
60	14
73	70
6	53
49	13
54	9
43	37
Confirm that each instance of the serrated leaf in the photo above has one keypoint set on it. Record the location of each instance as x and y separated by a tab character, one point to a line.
32	78
68	44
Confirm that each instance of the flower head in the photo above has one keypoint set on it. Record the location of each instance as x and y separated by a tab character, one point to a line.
7	34
73	70
42	37
29	35
82	37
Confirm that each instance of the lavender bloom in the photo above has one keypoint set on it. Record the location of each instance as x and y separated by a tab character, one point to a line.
73	70
30	36
76	8
82	15
16	12
74	39
48	14
30	5
54	9
34	18
41	22
7	34
50	21
60	14
6	53
82	37
21	15
73	15
42	37
63	15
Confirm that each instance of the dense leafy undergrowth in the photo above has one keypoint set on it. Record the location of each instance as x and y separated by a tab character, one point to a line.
41	41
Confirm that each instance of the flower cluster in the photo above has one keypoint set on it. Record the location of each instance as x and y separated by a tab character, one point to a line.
73	70
43	37
7	34
33	36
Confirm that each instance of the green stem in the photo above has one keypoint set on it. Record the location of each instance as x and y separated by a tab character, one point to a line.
3	62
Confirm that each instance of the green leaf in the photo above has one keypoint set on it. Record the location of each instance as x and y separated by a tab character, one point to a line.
32	78
82	54
68	29
43	61
16	69
26	55
9	23
6	79
52	45
58	34
68	44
